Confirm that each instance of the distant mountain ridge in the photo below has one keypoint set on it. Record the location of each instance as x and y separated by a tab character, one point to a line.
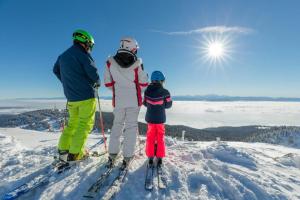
211	97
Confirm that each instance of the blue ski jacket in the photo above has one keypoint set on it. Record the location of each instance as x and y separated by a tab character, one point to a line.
76	70
156	99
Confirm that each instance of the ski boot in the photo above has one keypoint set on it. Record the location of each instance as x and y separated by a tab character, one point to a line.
125	162
77	156
61	158
150	162
111	160
71	160
63	155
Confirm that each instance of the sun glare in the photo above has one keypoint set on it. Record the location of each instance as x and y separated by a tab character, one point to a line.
215	49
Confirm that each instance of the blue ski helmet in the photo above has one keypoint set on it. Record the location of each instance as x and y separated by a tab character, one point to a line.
157	76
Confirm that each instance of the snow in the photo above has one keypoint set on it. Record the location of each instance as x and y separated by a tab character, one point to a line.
195	170
197	114
30	138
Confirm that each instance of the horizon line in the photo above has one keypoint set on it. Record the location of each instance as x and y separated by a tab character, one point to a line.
210	97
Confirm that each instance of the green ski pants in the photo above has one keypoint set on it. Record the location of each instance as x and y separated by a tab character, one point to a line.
80	124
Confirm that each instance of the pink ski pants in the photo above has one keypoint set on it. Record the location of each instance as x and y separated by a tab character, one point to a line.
155	136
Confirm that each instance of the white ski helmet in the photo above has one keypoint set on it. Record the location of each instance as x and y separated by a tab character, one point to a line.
129	44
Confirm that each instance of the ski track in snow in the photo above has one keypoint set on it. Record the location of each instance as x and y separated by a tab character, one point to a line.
195	170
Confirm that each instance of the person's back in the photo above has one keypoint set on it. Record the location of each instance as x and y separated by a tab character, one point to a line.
77	73
157	99
125	72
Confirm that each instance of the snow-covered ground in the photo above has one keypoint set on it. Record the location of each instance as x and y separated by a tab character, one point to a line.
196	170
197	114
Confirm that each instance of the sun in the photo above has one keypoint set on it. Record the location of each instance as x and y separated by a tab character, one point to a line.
216	49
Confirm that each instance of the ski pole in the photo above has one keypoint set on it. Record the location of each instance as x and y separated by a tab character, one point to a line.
139	139
101	120
65	117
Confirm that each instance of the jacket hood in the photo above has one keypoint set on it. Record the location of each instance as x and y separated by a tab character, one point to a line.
125	58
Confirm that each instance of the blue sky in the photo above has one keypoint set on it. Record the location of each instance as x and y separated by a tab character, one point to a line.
264	41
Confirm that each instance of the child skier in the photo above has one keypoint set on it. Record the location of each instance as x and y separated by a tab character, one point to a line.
156	99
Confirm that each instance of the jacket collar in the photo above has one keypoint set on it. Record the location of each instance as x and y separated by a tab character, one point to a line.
76	45
156	85
125	58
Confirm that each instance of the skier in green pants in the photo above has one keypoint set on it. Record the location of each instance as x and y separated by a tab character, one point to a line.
76	70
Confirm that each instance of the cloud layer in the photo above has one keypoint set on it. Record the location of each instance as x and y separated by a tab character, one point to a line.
211	29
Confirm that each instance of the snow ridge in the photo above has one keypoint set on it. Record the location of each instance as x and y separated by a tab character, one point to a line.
195	170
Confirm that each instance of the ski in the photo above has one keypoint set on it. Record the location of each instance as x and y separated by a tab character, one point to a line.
39	180
149	177
53	170
161	178
116	184
95	188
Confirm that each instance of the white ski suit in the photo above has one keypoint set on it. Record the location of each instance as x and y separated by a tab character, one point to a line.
127	84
